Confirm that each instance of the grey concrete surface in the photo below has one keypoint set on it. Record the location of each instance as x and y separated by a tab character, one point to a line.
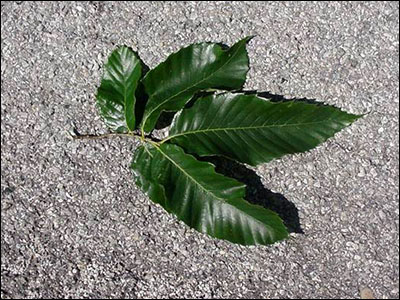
74	225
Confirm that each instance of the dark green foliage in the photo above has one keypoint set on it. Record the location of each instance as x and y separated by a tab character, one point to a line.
245	128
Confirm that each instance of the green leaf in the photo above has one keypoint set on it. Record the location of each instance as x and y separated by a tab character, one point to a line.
197	67
254	130
205	200
116	94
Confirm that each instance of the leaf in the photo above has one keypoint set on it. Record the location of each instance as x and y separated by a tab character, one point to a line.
253	130
116	94
205	200
197	67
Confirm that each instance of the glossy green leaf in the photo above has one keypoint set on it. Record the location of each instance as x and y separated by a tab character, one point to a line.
197	67
116	94
254	130
205	200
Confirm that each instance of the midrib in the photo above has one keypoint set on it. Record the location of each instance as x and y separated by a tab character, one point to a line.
242	128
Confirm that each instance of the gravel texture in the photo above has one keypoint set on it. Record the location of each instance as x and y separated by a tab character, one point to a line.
74	225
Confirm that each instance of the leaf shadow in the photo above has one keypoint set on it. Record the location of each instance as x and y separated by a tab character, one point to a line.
140	94
279	98
257	193
166	117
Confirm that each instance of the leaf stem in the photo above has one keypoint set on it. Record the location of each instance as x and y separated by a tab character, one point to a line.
76	136
142	134
101	136
148	139
166	139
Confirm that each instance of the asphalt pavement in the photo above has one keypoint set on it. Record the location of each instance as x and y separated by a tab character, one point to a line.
73	223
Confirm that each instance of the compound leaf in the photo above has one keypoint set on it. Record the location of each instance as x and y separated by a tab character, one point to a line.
116	94
197	67
254	130
205	200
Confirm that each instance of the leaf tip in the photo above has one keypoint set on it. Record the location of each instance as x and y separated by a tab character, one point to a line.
249	38
355	117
